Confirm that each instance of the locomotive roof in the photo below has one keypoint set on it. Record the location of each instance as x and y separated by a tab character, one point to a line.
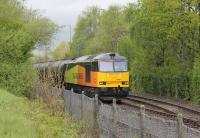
89	58
103	56
51	63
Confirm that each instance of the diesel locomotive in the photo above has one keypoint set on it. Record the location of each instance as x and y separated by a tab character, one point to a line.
104	74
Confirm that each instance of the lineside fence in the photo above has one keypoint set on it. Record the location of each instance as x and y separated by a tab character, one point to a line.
113	121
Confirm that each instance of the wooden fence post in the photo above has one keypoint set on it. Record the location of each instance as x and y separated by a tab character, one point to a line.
176	94
114	105
82	102
70	102
96	112
142	116
180	125
64	98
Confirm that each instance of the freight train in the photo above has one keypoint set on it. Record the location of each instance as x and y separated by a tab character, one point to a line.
104	74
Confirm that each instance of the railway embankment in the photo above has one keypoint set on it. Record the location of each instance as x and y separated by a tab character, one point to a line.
21	118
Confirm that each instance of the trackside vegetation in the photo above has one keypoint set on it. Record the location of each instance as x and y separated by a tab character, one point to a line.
20	118
21	30
159	37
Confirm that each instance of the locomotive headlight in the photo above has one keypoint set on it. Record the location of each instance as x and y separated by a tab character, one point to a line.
102	83
125	83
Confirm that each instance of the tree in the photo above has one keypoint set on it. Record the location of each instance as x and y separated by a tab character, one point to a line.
111	29
85	32
21	30
159	37
62	51
167	33
196	81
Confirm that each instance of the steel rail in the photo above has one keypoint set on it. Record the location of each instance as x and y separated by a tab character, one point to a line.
151	104
167	103
189	122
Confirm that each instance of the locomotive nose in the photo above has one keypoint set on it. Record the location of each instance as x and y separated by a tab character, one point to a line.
115	79
114	76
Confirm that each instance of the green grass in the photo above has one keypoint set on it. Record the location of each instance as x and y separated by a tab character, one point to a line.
20	118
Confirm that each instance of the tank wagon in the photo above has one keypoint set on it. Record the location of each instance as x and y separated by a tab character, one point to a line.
104	74
53	70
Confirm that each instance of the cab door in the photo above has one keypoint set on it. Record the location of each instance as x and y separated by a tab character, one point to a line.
88	73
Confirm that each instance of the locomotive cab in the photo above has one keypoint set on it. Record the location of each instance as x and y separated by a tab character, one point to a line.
113	77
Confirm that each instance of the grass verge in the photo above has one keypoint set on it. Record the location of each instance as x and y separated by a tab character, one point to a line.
20	118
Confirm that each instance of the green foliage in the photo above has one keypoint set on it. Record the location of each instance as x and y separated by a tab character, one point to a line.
196	81
112	29
61	52
167	34
20	118
85	32
41	30
159	37
167	41
99	31
20	31
17	77
53	126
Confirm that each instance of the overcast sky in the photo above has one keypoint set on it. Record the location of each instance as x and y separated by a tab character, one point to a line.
66	12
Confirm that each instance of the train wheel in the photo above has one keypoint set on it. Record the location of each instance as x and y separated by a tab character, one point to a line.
67	87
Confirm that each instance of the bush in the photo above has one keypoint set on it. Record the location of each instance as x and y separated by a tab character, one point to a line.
17	78
21	30
176	86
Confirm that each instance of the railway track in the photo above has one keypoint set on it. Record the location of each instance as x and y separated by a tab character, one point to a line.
150	105
165	109
166	103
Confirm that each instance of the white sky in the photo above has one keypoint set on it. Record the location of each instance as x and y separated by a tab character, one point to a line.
65	12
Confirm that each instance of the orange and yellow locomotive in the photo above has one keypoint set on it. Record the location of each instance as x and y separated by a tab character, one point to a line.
103	74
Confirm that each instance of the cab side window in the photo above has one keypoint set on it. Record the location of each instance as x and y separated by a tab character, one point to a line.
94	66
87	73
